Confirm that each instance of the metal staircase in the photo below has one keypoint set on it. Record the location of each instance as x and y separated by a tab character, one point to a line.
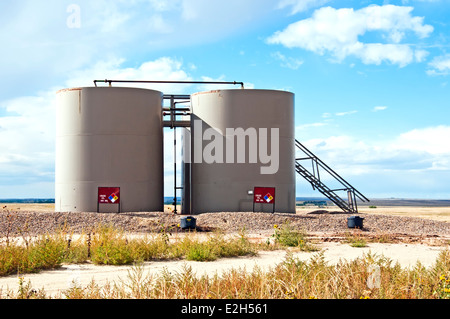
313	178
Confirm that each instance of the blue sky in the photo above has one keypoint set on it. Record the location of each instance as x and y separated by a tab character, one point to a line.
370	77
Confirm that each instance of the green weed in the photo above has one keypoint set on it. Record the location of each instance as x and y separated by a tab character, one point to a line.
287	236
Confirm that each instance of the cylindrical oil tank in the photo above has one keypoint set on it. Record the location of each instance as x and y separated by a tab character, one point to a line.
109	138
240	139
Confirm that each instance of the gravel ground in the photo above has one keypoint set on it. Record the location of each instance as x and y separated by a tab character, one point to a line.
19	223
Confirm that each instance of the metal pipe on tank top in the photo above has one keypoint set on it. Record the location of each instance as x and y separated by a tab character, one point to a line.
167	82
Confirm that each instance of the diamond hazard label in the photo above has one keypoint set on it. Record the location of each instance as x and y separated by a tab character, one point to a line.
113	197
268	197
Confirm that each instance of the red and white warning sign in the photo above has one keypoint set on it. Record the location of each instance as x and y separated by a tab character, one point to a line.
265	195
109	195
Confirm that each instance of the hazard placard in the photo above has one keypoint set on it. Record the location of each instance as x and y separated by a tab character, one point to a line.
109	195
265	195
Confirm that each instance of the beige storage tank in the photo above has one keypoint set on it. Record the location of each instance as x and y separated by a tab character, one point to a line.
106	138
239	139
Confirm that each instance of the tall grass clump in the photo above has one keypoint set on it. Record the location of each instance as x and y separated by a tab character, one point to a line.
285	235
355	240
45	252
217	246
109	246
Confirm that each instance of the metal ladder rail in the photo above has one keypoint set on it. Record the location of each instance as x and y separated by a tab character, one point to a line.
320	163
315	182
329	193
329	170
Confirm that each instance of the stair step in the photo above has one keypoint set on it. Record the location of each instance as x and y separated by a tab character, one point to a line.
321	187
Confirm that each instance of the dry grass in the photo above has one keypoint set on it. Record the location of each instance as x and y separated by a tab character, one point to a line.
369	277
107	245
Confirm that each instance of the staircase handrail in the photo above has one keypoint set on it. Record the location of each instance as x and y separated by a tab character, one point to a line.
329	170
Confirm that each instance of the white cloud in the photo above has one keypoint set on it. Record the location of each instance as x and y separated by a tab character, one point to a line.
328	115
27	143
346	113
164	5
420	55
287	62
440	65
157	24
46	48
301	5
379	108
376	53
414	163
164	68
432	140
425	149
337	31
